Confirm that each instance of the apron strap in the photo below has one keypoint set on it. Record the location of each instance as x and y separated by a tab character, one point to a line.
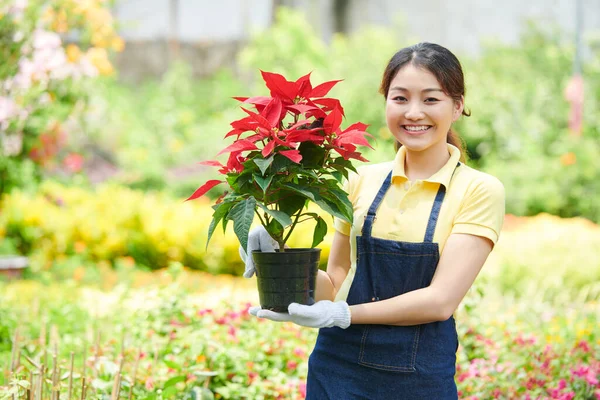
433	217
370	217
435	210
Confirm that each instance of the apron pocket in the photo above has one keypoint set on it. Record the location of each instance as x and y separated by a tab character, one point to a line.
390	348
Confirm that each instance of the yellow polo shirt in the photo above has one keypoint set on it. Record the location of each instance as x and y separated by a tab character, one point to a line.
474	204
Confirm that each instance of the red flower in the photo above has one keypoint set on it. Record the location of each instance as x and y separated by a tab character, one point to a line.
296	123
73	162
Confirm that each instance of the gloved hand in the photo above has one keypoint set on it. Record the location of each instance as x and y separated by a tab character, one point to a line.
258	239
322	314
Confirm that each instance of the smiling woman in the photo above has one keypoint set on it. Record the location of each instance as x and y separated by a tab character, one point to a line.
428	85
423	226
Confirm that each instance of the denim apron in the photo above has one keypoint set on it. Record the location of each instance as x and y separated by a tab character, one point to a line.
383	361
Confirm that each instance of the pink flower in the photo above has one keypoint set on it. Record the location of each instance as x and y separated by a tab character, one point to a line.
302	389
583	345
74	163
291	365
232	331
234	315
8	109
562	384
567	396
149	384
556	393
18	7
586	373
46	40
299	352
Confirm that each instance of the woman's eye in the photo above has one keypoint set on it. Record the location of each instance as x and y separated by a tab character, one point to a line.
399	98
431	99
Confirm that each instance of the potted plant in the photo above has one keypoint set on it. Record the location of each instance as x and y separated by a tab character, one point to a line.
288	152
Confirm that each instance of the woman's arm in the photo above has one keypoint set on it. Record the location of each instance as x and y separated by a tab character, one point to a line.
338	265
460	262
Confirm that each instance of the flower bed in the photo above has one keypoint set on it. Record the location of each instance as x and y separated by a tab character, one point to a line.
174	341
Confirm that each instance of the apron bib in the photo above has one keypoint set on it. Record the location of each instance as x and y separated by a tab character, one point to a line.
384	361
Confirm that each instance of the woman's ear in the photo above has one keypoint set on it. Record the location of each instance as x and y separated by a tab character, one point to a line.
459	106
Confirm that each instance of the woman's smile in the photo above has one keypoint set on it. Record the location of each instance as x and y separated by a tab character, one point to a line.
416	130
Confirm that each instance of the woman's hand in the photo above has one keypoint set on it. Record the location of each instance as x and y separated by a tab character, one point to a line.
322	314
258	239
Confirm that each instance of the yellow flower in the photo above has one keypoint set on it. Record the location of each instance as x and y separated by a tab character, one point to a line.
73	53
568	159
49	15
99	59
117	44
60	23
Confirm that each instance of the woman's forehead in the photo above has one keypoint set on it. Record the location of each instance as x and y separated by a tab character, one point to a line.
410	77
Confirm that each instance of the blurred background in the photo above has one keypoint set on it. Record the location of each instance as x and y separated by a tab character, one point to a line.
106	108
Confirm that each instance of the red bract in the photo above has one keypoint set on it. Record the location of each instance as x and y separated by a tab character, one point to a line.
266	167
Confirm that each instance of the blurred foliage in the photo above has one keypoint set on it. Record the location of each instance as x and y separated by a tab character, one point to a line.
177	121
154	229
518	130
64	228
44	83
185	332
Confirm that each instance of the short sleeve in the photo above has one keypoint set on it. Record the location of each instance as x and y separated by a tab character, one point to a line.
348	186
482	210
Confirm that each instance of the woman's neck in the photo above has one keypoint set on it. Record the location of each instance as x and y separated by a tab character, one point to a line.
424	164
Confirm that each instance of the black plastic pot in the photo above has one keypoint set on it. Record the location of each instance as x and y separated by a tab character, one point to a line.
285	278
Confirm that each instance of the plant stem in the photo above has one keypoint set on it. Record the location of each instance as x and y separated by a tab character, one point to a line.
282	244
71	376
261	220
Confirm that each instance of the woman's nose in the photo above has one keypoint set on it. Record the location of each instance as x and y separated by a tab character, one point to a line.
413	112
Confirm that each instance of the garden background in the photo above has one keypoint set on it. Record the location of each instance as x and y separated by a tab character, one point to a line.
122	298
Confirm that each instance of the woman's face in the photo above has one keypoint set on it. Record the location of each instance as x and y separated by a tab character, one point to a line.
418	113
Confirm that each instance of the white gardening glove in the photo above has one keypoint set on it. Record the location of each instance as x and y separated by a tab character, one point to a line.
258	239
322	314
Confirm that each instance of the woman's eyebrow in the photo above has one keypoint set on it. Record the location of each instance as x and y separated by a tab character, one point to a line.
401	89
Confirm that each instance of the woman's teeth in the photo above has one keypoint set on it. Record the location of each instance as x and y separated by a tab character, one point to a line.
416	128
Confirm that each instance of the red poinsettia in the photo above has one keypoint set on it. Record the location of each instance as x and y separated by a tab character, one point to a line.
287	151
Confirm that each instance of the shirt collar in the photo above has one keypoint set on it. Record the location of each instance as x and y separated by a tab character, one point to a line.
442	177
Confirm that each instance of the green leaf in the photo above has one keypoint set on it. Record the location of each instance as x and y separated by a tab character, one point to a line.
290	203
338	176
263	182
280	216
172	365
320	232
263	163
343	166
280	163
168	392
341	198
220	212
242	215
173	381
312	155
313	194
275	229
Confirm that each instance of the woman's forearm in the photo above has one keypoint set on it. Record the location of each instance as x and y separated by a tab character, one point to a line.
413	308
325	288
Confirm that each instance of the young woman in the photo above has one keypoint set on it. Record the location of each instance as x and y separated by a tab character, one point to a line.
424	225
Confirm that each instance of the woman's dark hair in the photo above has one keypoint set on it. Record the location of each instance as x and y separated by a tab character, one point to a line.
443	65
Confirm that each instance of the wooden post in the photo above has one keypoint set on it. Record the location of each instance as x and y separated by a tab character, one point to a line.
71	376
